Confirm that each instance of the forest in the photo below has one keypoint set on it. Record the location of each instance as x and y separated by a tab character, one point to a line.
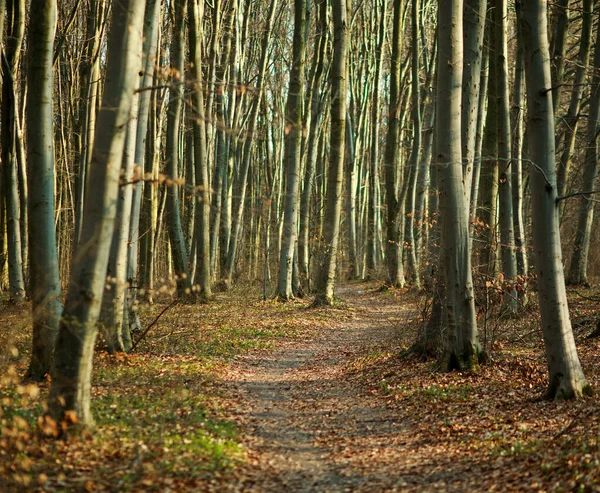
299	245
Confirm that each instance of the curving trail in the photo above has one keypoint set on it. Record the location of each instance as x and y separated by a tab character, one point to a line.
307	422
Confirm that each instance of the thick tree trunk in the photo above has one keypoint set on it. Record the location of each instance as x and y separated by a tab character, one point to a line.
69	398
45	281
566	376
463	349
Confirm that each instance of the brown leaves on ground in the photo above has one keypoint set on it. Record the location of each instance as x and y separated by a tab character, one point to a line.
251	395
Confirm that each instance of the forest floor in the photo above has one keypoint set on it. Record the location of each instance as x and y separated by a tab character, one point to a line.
250	395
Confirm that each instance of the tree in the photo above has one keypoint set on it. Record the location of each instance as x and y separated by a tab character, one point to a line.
45	282
566	376
10	179
585	217
293	139
339	94
463	349
69	398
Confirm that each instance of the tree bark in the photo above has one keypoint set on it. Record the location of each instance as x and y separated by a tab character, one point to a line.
339	88
293	140
463	349
69	398
566	376
45	281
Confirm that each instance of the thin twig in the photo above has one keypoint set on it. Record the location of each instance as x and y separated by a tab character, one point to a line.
173	303
575	194
543	173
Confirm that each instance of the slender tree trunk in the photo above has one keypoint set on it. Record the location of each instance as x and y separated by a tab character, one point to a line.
415	153
202	229
571	120
488	186
339	88
518	108
373	216
151	22
395	269
12	54
69	398
566	376
474	24
45	281
178	250
236	227
463	350
507	238
581	247
558	50
311	143
293	142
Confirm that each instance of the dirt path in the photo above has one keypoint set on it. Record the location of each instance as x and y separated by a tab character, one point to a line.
303	413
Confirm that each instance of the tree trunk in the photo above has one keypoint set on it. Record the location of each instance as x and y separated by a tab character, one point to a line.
571	120
178	250
566	376
339	89
12	54
69	398
395	269
474	24
518	110
202	229
293	140
507	237
463	350
581	247
151	22
45	281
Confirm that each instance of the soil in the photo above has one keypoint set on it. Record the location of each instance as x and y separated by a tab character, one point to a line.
301	410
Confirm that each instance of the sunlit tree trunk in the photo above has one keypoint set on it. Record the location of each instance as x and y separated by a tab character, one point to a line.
151	22
566	376
474	23
311	143
463	350
395	271
293	141
69	398
202	229
415	153
239	206
45	281
339	88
